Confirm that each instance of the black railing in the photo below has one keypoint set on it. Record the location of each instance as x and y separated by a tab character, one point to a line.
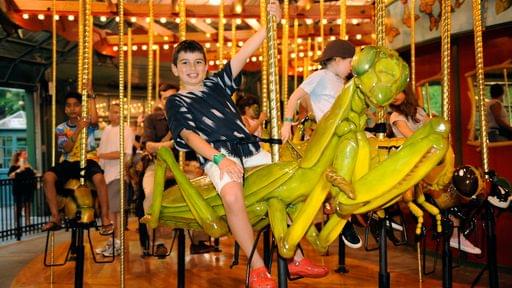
24	213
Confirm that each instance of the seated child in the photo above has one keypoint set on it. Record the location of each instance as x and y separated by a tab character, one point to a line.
68	139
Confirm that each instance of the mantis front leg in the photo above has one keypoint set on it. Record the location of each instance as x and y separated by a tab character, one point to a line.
203	212
288	238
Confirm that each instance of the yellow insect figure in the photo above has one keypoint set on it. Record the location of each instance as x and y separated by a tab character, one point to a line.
336	161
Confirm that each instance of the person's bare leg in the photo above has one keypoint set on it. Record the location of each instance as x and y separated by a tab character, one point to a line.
27	213
116	220
49	180
456	223
238	221
101	187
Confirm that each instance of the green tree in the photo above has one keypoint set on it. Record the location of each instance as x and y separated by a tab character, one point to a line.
11	101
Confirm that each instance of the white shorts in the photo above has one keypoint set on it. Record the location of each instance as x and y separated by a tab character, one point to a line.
213	171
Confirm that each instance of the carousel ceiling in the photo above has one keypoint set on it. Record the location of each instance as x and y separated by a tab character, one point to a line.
25	40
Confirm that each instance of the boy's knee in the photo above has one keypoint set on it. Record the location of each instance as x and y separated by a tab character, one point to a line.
231	197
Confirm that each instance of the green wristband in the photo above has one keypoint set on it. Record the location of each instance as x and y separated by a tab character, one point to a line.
288	119
217	158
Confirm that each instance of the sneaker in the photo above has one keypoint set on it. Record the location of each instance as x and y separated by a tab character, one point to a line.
259	278
502	199
465	245
350	237
498	203
107	246
161	251
111	251
396	226
306	268
201	248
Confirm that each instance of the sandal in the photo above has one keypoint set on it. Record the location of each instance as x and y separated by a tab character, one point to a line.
51	226
107	229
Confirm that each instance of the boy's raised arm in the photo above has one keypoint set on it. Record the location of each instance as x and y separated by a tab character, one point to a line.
238	61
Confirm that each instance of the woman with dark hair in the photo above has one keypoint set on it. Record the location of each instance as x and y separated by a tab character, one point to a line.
23	185
252	117
407	117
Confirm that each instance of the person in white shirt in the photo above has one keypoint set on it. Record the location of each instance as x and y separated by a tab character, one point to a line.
319	90
322	87
108	152
407	115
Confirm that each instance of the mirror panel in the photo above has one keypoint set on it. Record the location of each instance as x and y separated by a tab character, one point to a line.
499	74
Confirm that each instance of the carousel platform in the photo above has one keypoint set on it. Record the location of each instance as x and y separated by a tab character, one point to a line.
22	263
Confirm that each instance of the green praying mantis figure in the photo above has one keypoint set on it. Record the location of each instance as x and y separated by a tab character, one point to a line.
336	161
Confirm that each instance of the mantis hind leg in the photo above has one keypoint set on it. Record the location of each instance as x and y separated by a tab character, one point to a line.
433	210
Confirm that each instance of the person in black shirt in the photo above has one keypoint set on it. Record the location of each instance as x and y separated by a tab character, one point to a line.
24	184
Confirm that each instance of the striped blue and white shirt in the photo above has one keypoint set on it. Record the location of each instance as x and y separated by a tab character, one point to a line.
212	114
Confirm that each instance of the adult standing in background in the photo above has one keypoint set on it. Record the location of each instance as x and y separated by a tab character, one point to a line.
24	184
499	128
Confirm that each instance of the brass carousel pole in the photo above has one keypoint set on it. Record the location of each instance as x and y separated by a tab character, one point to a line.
380	31
54	120
157	71
379	22
284	54
484	142
264	62
413	85
490	225
296	52
151	23
182	34
343	19
307	58
80	44
427	92
315	48
445	56
129	73
413	44
233	37
321	26
183	20
507	95
232	51
221	35
122	106
273	80
85	86
384	276
445	65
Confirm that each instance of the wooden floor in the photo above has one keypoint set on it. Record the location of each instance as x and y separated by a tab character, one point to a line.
212	270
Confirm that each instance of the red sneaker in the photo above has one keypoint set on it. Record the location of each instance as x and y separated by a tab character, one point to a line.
308	269
261	279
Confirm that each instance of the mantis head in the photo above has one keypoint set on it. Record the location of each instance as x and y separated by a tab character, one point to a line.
380	74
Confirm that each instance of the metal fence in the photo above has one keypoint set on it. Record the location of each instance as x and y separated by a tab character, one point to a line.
22	215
